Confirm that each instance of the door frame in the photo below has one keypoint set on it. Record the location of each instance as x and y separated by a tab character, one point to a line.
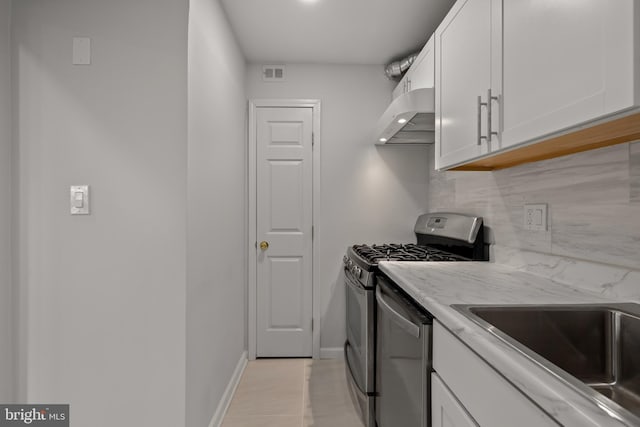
252	282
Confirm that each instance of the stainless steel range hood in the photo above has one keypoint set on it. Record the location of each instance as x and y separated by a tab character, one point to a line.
410	119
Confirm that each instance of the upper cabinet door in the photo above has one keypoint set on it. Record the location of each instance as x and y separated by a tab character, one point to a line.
565	63
463	44
421	73
400	88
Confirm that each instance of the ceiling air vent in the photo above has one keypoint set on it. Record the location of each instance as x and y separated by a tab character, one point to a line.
273	73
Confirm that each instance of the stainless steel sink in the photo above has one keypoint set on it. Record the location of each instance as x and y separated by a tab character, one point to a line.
595	348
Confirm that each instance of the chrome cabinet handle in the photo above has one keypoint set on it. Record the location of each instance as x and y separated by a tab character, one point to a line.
490	99
406	324
480	105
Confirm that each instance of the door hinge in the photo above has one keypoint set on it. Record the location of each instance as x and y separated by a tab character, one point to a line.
313	232
312	324
313	139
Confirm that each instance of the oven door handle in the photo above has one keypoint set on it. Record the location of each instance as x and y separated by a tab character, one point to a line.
406	324
352	284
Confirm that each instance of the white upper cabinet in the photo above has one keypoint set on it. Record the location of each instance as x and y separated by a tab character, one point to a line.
400	88
464	44
565	63
553	67
421	73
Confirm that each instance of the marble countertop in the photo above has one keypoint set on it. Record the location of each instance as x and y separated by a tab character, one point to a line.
438	285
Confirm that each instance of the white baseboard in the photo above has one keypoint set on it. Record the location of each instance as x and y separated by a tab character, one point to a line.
332	353
225	401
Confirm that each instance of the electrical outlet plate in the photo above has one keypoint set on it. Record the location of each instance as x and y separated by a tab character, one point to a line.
535	217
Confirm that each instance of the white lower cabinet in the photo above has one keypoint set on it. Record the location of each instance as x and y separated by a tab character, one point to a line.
446	411
481	395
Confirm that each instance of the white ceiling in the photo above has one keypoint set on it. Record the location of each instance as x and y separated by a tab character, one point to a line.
333	31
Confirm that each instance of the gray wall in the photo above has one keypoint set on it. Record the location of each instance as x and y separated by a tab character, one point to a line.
369	194
105	325
593	203
216	279
6	296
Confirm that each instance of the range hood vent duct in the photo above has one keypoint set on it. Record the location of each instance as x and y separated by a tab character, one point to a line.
410	119
395	69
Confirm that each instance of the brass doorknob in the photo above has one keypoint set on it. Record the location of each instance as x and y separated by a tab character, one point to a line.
264	245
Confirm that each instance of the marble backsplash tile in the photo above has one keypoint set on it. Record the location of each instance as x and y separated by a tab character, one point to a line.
593	204
606	280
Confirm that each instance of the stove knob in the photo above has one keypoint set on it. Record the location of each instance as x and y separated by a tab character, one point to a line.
350	264
344	259
358	272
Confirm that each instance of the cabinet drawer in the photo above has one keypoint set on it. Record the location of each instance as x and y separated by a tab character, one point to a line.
486	395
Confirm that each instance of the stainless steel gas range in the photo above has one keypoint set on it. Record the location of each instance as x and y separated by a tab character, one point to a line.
387	391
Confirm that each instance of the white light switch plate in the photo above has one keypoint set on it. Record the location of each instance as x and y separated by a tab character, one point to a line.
535	217
81	51
79	199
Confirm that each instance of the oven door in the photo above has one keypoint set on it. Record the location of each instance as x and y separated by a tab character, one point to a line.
359	350
403	361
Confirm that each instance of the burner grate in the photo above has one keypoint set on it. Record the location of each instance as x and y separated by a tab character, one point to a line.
403	252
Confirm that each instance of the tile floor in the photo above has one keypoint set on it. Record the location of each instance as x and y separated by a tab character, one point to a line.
292	393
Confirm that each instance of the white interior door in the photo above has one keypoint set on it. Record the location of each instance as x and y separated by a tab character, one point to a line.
284	207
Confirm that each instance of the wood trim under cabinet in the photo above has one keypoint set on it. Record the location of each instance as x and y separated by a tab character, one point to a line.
618	131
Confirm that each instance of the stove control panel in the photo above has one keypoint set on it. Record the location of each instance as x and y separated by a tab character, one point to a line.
351	267
448	225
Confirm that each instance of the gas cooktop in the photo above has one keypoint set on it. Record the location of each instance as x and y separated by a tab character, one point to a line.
373	254
440	236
